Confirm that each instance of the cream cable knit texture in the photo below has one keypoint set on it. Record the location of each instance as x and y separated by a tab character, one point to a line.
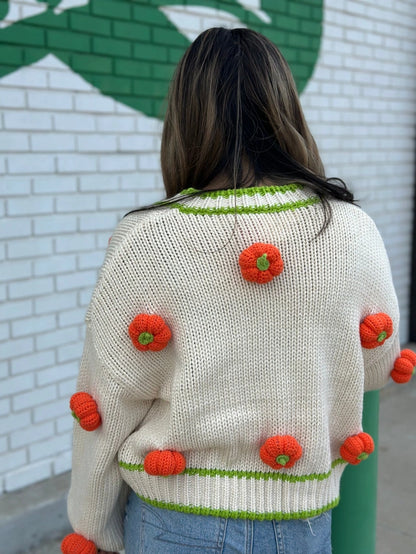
246	361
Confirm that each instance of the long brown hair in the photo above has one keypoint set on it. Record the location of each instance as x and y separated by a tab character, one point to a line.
233	112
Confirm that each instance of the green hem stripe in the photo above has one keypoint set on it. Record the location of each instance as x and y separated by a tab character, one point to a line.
259	475
236	514
245	209
248	191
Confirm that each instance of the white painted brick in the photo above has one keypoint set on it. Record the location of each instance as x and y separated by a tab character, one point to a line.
62	463
55	302
71	317
55	264
3	445
136	143
56	184
67	80
98	182
117	162
52	142
97	221
101	244
71	351
13	459
76	280
54	100
150	196
94	103
74	243
27	475
29	78
97	143
27	120
4	331
84	297
149	161
64	424
73	122
31	434
30	163
29	205
112	201
76	162
55	224
67	388
115	123
10	142
57	373
29	247
39	360
14	228
32	325
57	338
12	97
13	421
148	125
31	287
51	410
15	270
76	202
34	397
15	385
4	369
12	310
14	186
49	447
5	410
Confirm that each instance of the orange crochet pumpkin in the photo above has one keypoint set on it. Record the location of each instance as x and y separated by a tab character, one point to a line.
404	366
357	448
375	330
149	332
77	544
260	262
280	451
164	462
84	409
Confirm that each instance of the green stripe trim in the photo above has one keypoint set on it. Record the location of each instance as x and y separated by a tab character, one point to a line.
248	191
237	514
259	475
245	209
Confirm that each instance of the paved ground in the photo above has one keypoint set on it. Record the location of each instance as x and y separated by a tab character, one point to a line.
396	528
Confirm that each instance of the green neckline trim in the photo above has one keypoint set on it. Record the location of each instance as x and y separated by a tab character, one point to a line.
239	514
259	475
247	191
245	209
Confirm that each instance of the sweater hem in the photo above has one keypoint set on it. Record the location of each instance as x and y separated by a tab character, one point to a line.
201	510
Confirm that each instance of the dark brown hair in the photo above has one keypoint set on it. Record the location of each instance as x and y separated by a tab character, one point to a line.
234	118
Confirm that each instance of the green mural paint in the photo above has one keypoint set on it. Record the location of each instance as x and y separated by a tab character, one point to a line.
128	50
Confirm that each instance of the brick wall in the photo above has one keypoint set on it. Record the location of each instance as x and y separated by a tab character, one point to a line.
79	137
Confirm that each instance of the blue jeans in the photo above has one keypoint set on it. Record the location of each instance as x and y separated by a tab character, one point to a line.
151	530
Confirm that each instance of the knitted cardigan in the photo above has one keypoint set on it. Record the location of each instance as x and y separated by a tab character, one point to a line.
224	371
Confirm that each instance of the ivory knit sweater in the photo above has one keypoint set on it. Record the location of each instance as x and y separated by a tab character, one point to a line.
246	361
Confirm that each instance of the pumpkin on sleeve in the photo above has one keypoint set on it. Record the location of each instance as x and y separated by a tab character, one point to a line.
77	544
84	409
357	448
375	330
404	366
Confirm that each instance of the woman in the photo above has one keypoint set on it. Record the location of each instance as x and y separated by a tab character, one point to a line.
230	336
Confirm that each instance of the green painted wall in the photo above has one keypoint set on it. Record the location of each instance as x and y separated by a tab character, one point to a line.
128	49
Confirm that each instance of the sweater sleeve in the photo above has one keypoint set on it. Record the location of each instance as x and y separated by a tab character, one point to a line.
97	494
378	296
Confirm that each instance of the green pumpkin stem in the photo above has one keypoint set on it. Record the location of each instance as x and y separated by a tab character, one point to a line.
262	263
